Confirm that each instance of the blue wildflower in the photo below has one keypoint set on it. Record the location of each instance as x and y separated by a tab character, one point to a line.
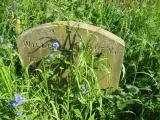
49	54
16	4
84	90
18	100
48	59
19	113
55	46
11	8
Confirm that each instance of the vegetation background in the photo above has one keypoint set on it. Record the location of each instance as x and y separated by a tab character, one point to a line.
138	98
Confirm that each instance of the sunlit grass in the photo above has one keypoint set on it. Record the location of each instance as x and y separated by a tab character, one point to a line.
139	94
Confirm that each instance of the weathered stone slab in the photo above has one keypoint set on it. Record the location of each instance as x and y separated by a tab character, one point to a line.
37	42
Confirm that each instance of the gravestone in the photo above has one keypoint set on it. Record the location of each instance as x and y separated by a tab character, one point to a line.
37	42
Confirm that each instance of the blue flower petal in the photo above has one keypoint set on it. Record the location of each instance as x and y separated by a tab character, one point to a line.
55	46
14	105
11	8
18	100
49	54
19	113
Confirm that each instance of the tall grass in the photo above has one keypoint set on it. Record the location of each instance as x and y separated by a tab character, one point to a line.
79	97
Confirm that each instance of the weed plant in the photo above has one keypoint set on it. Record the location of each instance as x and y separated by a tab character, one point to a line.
40	94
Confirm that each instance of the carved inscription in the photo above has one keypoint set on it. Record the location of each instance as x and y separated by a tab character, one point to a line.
32	59
36	44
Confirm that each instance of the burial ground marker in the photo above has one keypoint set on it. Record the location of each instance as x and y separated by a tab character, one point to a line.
37	42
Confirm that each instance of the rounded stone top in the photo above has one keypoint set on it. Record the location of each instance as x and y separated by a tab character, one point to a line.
79	25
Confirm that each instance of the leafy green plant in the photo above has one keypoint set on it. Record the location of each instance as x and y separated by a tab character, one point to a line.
78	96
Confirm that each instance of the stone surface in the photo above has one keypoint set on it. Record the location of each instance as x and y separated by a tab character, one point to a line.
36	43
